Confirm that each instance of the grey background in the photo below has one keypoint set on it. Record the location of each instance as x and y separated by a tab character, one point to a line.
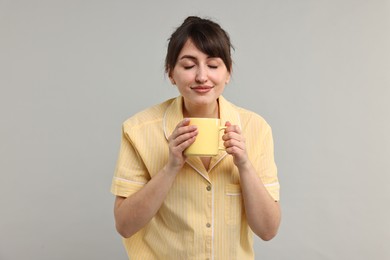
72	71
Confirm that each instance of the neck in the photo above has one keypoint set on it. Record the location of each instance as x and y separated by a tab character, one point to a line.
206	111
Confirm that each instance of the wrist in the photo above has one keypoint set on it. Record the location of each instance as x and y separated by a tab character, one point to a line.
244	166
172	169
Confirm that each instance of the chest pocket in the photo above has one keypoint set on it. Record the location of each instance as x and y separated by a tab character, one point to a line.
233	204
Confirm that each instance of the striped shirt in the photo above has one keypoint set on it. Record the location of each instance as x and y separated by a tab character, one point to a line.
203	215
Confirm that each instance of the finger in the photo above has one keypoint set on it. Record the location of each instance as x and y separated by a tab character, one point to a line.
233	128
227	125
233	135
185	143
234	143
182	138
184	122
184	130
235	151
182	127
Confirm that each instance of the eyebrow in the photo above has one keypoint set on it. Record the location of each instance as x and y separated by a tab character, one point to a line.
194	58
188	57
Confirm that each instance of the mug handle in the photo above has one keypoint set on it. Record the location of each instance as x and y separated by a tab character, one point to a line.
222	148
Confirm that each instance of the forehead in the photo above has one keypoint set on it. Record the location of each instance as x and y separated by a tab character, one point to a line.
190	50
189	47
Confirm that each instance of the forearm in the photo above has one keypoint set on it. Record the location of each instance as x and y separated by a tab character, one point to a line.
263	213
134	212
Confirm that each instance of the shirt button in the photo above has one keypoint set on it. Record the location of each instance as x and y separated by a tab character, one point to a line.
208	188
208	225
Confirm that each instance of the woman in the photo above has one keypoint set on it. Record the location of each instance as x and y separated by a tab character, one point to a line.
169	206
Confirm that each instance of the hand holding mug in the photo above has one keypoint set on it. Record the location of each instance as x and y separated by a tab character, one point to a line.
234	143
182	137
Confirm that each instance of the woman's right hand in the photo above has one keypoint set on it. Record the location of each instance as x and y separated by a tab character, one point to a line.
182	137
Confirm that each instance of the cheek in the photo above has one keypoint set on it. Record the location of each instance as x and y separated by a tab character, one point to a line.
184	78
219	78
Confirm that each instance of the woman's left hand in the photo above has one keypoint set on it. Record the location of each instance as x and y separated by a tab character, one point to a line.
234	143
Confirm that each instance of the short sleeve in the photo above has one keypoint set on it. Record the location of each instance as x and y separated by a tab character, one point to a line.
130	172
265	163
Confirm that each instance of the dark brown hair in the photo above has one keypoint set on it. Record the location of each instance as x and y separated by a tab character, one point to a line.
206	35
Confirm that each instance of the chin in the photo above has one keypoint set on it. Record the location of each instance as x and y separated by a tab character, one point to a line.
205	100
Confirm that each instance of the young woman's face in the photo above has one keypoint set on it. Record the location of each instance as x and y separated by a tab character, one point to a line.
200	79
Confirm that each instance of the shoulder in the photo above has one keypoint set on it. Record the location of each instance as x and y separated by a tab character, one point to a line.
147	117
252	119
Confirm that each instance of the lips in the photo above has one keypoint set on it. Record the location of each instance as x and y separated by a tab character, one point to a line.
202	89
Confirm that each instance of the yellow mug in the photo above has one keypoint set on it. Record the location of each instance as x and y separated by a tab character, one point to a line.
207	140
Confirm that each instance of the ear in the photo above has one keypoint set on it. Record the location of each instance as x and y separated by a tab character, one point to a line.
172	80
170	75
227	79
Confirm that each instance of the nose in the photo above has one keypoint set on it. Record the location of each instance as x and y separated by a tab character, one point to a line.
201	75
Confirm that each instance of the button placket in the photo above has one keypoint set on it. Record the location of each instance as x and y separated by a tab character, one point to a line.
208	225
